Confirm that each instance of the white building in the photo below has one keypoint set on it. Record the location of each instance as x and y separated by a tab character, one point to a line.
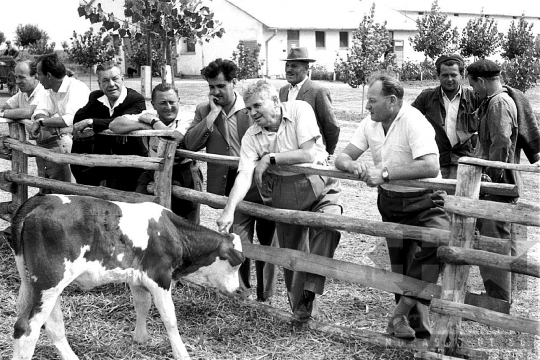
325	27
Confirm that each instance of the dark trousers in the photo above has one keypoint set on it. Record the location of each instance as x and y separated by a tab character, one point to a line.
414	258
183	175
496	282
245	226
306	193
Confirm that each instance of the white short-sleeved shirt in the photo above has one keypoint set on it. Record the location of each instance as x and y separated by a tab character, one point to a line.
409	137
181	124
22	101
72	95
298	126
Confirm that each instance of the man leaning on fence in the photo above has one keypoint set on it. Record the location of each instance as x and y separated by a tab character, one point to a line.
219	125
165	116
403	146
52	128
113	99
507	125
286	133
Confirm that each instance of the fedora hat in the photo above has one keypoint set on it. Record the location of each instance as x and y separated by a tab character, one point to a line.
298	54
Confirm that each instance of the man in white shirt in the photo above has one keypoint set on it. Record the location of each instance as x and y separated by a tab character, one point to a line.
165	116
52	128
403	146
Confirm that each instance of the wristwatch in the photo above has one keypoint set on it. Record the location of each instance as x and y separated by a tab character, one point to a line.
2	113
90	122
40	122
272	158
153	122
385	175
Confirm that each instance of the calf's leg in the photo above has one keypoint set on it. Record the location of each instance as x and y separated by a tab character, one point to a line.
142	302
56	331
165	306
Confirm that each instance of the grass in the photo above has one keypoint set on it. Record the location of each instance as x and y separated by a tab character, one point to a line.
99	322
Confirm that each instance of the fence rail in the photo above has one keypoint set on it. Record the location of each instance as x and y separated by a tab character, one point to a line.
459	247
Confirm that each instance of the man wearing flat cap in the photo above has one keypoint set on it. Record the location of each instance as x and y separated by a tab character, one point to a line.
302	88
450	108
507	125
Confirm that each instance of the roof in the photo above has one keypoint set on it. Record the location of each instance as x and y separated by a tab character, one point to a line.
317	14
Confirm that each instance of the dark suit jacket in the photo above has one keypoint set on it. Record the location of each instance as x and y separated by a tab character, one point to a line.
319	98
215	141
430	103
134	103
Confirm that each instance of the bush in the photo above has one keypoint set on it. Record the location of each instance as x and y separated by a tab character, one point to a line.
319	72
522	72
411	71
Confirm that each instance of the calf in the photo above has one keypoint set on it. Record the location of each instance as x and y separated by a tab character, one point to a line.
59	240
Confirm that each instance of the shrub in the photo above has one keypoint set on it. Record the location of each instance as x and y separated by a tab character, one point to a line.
523	71
411	71
247	60
319	72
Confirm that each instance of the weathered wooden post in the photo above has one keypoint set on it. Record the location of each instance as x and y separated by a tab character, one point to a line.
455	277
19	164
163	177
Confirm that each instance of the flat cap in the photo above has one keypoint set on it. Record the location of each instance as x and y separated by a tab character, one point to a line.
483	68
444	58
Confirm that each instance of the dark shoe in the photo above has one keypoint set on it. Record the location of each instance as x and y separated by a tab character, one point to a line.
265	301
399	327
302	313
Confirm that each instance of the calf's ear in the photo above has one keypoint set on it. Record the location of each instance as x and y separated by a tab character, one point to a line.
235	257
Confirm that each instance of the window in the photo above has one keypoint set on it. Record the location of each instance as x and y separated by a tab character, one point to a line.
293	39
190	47
343	39
320	41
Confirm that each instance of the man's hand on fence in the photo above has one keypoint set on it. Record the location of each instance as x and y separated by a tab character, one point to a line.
34	130
225	221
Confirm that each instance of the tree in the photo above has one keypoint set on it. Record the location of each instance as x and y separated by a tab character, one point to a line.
2	37
247	61
519	39
168	20
29	34
371	43
435	34
92	48
480	37
137	54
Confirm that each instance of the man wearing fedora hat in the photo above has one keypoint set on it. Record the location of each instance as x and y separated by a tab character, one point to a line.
450	108
302	88
507	125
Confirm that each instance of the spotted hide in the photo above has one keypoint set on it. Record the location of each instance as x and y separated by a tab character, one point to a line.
59	240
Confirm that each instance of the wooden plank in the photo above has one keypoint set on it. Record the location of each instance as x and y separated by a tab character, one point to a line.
499	164
19	163
429	355
484	316
7	207
5	185
78	189
448	185
174	134
142	162
454	280
346	223
520	213
163	177
459	256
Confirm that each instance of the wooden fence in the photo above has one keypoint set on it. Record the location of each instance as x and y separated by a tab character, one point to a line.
459	247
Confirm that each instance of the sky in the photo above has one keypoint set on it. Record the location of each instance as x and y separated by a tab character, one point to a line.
59	18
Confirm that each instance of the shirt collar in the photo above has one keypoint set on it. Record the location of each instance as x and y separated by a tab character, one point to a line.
457	96
105	101
37	89
299	85
66	81
238	105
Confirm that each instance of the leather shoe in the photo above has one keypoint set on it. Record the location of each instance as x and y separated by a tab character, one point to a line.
399	327
302	313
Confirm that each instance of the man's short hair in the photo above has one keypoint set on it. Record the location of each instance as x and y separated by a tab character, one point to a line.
390	85
161	87
50	63
107	65
262	88
219	66
32	66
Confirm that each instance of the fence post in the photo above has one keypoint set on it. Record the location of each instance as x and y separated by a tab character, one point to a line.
454	278
163	177
19	164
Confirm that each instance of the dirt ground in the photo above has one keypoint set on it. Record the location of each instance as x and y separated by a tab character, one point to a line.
99	322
